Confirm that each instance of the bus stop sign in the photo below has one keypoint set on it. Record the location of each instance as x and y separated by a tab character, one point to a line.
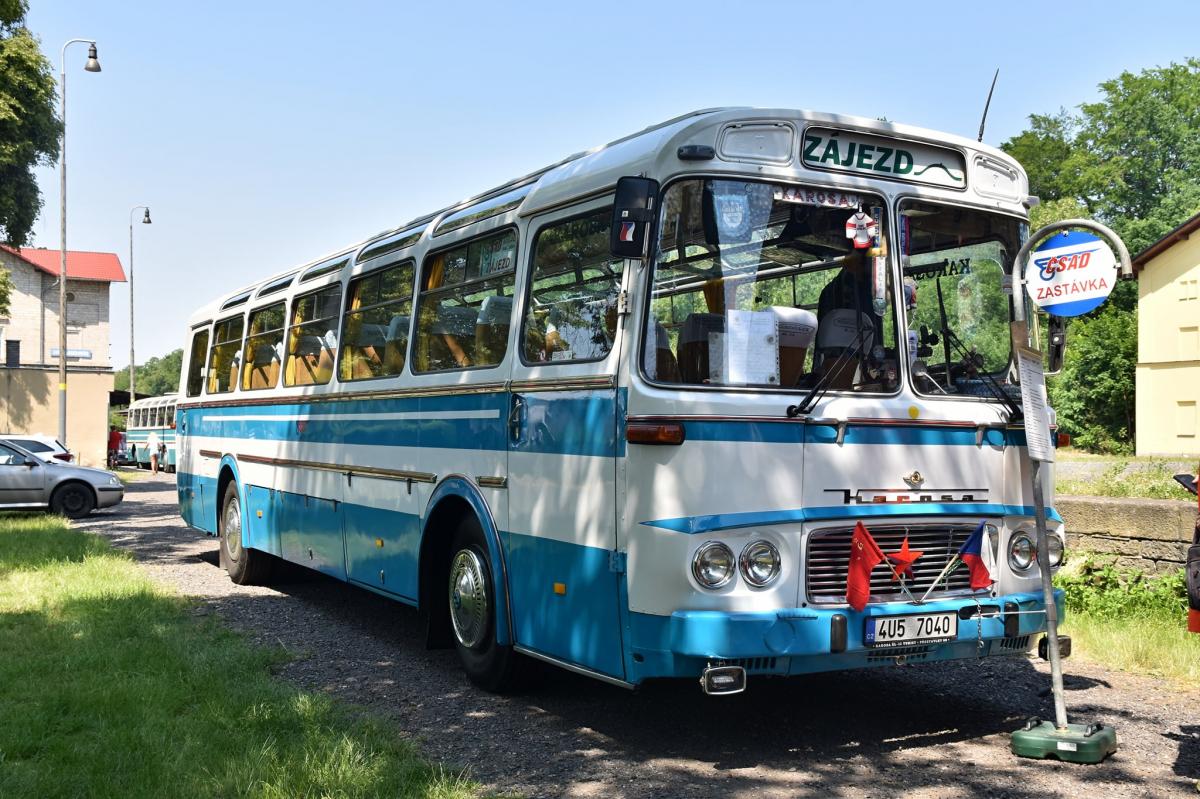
1071	273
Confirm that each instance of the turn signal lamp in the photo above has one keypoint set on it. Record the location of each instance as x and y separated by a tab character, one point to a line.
654	433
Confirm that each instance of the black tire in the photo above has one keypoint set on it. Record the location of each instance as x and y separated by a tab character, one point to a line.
73	500
472	613
245	566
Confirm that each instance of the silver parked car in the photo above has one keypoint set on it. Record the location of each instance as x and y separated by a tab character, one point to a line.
27	481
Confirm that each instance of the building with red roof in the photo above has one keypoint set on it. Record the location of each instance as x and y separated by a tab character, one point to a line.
29	345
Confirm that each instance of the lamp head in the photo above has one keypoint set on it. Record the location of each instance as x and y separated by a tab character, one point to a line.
146	218
93	64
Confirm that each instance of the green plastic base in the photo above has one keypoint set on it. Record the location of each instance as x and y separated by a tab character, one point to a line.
1079	743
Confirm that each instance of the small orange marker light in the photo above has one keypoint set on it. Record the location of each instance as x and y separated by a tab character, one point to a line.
654	433
260	514
560	589
379	543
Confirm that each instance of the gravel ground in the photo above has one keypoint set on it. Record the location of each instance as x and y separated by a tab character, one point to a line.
935	730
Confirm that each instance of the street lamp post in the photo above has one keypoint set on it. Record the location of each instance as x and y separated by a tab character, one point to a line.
92	65
145	221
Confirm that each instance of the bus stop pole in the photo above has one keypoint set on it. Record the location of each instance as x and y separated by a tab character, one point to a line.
1020	338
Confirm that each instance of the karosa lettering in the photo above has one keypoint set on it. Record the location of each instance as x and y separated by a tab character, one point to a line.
1074	287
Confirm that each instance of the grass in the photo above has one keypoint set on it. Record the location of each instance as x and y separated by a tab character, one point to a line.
110	686
128	476
1150	479
1128	621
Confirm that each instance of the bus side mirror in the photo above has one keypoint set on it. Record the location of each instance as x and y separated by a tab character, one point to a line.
1056	344
633	211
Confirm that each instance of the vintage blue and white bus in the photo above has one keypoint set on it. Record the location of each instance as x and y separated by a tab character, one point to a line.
152	415
625	413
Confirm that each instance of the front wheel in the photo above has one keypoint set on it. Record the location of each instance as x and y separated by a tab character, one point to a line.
473	608
73	500
245	566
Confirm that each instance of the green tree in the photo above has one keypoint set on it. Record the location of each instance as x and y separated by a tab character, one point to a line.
156	376
1132	161
29	127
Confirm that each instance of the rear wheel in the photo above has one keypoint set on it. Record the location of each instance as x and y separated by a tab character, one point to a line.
472	600
245	566
73	500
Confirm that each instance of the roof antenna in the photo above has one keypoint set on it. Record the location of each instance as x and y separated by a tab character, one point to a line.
986	105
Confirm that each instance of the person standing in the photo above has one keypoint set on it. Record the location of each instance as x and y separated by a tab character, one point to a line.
153	444
114	445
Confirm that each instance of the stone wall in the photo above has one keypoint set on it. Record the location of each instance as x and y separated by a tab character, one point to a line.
1151	535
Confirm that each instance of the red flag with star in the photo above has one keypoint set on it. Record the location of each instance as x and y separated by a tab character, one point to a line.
903	560
865	555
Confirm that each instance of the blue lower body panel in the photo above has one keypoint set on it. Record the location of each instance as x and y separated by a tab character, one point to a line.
800	640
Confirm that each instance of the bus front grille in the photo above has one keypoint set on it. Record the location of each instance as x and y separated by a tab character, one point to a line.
828	556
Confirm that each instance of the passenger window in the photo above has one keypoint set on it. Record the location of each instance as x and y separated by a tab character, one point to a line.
225	356
312	342
195	376
572	312
375	334
264	349
10	457
465	305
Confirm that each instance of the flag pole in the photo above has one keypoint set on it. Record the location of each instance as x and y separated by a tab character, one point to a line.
950	566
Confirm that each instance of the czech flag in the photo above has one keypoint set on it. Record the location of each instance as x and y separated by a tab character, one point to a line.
971	553
628	229
865	555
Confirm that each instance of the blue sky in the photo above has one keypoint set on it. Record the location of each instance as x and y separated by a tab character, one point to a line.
264	133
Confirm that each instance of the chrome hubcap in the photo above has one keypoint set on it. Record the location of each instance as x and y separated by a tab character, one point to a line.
232	528
468	599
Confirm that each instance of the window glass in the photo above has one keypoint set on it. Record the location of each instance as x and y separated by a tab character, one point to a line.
32	446
195	375
171	416
465	306
10	457
572	313
224	359
312	340
768	285
378	312
954	261
264	348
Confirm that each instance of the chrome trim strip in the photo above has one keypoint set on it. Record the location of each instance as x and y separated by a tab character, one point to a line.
350	471
562	664
486	481
565	383
395	393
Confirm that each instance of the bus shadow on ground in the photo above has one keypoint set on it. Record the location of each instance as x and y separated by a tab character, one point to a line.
886	731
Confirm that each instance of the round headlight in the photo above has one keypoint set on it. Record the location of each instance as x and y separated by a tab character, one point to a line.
1021	552
1054	550
713	564
760	563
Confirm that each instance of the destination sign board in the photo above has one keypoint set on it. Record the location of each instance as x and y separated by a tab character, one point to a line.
883	157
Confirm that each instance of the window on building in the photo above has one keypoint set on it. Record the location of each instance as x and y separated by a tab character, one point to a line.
572	310
312	342
264	348
224	359
195	375
12	353
465	305
375	333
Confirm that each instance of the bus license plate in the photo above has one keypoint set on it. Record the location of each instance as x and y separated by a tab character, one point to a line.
918	628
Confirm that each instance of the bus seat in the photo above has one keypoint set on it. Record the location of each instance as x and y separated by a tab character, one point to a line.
311	364
263	367
797	331
396	344
454	325
660	361
693	345
491	329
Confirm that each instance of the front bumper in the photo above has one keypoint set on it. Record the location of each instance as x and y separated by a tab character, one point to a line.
805	640
107	496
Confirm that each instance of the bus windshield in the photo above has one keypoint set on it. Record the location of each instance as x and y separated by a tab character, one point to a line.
954	260
769	286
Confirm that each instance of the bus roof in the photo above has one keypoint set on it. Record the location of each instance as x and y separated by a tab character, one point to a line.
155	402
591	171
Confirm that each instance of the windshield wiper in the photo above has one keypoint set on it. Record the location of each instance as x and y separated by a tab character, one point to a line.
950	338
822	386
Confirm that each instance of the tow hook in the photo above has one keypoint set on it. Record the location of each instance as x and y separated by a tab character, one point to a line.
720	680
